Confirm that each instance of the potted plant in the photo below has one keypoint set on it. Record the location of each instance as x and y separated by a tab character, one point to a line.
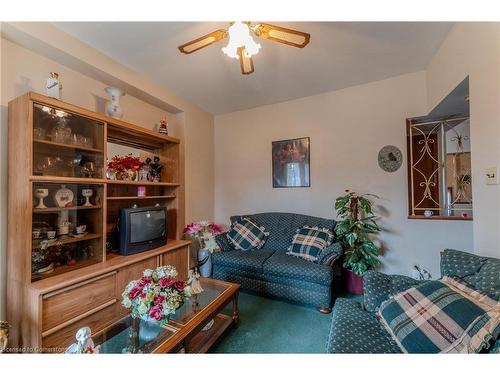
355	230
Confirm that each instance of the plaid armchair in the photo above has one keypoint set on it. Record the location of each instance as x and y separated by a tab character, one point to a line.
356	329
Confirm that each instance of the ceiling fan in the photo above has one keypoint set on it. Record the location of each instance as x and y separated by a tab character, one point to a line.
241	45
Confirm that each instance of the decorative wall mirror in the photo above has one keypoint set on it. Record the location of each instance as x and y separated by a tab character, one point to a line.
439	160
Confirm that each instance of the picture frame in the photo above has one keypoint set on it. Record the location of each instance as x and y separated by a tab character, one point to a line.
291	160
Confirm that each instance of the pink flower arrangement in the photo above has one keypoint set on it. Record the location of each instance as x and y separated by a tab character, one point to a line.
156	295
204	232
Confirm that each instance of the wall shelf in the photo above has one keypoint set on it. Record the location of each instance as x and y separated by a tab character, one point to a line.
57	242
67	180
68	146
141	183
49	210
63	269
148	197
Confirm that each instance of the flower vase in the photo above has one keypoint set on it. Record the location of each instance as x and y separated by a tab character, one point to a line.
113	108
149	329
205	262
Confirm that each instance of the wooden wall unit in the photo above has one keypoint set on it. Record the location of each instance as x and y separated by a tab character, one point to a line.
45	310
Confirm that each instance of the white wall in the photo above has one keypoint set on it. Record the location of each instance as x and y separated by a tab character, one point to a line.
23	70
473	49
347	129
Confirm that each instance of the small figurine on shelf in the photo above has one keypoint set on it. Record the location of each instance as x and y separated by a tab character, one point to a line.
163	127
41	194
4	335
156	168
87	193
194	282
84	343
145	170
40	259
54	86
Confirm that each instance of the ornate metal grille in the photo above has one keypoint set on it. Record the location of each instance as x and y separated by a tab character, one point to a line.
440	175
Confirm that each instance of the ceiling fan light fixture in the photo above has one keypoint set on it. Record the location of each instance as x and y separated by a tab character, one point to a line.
239	37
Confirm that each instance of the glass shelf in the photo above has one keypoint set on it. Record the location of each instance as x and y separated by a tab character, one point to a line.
67	227
66	144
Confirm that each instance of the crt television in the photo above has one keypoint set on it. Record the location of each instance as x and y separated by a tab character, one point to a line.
141	229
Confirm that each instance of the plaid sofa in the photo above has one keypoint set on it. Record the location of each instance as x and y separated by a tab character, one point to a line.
355	328
270	271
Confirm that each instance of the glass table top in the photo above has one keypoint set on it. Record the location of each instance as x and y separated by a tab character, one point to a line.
130	335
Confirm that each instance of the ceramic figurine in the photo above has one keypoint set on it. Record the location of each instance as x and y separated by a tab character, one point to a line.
87	193
163	128
54	86
4	335
145	170
113	108
64	197
194	282
156	168
84	343
41	194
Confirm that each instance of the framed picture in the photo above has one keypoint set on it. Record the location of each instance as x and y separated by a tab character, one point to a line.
291	161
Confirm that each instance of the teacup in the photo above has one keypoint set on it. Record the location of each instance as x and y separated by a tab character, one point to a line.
36	233
51	234
80	229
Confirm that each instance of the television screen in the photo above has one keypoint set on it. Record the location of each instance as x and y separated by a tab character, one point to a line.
147	225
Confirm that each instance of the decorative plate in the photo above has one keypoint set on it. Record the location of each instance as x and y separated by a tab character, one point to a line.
390	158
63	197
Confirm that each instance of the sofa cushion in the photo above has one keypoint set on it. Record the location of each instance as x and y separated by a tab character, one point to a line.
282	265
455	263
354	330
441	317
282	226
487	279
247	235
481	273
378	287
251	260
309	242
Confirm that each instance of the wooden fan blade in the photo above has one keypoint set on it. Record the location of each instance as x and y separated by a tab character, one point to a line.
246	62
203	41
282	35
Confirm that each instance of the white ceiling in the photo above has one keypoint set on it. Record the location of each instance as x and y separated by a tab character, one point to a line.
340	54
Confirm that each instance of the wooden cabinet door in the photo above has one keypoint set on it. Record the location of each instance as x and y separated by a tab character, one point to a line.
179	258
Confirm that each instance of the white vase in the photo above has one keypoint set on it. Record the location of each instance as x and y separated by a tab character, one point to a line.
205	262
113	108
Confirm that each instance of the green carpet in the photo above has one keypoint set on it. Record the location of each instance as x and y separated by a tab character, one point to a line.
276	326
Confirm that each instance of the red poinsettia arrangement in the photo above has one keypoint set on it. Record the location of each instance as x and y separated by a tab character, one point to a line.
124	163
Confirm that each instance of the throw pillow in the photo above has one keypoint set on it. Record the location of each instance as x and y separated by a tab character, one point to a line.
444	316
309	242
247	235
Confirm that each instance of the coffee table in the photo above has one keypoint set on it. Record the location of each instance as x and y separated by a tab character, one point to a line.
185	332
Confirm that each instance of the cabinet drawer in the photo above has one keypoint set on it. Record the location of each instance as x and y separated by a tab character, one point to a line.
59	340
68	303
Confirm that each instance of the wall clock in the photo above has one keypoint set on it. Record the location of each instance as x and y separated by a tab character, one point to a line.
390	158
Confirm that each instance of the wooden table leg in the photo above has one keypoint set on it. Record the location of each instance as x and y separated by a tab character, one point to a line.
236	315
